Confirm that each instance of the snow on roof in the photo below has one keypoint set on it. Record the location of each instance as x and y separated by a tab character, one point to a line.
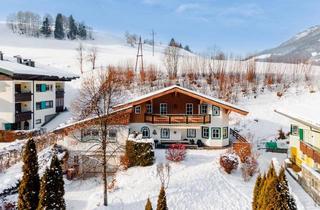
184	89
11	68
299	119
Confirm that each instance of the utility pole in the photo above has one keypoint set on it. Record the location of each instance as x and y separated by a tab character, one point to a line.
139	54
153	42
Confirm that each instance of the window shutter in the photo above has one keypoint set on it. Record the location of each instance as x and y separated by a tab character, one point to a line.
43	88
291	129
43	104
301	134
7	126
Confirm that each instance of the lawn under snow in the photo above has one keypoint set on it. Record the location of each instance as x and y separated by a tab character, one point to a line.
196	183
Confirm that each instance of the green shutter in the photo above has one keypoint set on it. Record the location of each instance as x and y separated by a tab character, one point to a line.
7	126
43	88
291	129
301	134
43	104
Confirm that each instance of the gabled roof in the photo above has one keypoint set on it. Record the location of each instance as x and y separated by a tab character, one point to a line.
191	93
22	71
300	119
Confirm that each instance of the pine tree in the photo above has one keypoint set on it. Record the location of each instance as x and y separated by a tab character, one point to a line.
45	29
270	191
30	183
172	43
148	205
162	201
256	192
285	200
187	48
73	30
52	187
58	30
82	31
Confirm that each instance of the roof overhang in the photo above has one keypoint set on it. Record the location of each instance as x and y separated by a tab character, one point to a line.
177	89
300	120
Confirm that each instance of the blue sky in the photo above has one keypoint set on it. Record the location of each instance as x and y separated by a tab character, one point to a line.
239	26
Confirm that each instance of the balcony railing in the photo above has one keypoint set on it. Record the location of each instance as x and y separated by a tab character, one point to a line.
23	116
310	151
177	119
20	97
59	93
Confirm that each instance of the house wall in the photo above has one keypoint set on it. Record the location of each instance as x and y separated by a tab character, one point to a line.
7	98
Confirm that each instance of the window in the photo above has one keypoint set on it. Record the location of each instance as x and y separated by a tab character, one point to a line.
137	109
294	130
225	132
191	133
44	105
216	133
145	132
91	134
165	133
163	108
38	121
112	134
49	87
215	111
205	132
203	109
149	108
59	102
189	108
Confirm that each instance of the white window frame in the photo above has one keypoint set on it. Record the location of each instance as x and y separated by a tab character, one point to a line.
137	109
225	132
205	130
201	108
143	129
216	133
165	131
191	133
149	108
215	110
113	138
189	109
165	107
296	131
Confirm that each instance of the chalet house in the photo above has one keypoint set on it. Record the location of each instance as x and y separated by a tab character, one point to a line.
170	115
30	96
304	151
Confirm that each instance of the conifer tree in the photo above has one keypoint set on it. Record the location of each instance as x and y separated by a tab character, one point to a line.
270	192
45	28
148	205
52	187
30	183
58	30
256	192
172	43
73	30
162	200
82	31
285	200
187	48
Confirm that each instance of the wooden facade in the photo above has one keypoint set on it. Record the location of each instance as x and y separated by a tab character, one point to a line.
310	152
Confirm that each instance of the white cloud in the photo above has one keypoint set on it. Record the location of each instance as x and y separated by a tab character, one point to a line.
188	7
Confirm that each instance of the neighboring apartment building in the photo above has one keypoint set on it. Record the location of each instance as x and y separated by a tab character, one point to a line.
30	96
304	151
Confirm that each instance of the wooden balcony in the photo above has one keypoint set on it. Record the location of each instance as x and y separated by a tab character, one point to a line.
177	119
20	97
23	116
59	93
310	151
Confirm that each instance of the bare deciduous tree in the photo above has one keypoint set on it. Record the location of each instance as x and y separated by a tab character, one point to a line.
92	56
163	172
98	94
171	61
80	56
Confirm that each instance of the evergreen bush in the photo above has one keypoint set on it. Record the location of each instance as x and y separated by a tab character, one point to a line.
162	200
148	205
139	153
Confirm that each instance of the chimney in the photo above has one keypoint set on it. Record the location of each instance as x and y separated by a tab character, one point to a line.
1	56
19	59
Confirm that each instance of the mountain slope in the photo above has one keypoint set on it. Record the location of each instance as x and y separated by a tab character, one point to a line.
303	47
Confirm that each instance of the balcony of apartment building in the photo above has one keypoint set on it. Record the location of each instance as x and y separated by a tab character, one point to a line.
60	97
23	92
23	112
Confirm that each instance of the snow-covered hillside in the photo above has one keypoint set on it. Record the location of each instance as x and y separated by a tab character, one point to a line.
304	46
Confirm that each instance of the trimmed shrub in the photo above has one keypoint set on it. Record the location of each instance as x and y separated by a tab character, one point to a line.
162	200
249	167
176	152
139	154
229	162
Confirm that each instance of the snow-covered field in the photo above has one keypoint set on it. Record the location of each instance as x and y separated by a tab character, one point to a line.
197	182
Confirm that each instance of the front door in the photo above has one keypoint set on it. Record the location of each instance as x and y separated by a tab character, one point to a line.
18	107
